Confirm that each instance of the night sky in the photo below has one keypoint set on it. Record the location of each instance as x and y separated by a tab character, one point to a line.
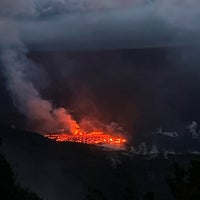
134	63
140	89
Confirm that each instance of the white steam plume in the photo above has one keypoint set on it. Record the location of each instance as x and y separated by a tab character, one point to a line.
25	95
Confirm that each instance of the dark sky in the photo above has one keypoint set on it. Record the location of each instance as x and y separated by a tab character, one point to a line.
141	89
135	63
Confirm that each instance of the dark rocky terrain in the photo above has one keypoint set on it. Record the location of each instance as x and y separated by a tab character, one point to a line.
77	171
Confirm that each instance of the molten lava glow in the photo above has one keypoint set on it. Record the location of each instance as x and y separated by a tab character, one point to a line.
96	137
86	133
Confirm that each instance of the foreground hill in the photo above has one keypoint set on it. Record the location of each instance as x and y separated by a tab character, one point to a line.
58	171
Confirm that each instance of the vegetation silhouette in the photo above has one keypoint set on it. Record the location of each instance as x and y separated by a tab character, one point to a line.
9	189
185	183
97	194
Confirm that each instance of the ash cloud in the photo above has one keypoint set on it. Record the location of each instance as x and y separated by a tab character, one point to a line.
17	70
62	24
27	99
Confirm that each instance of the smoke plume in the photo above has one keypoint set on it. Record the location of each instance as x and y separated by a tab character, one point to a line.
27	98
62	24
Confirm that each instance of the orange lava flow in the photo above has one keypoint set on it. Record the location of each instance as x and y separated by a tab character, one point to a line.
96	137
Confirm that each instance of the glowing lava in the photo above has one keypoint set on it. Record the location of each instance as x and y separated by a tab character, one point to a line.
95	137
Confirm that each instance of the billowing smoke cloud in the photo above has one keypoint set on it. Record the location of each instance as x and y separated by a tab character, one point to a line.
75	24
26	96
16	68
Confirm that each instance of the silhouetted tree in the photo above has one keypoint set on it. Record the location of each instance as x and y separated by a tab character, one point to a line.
95	194
185	184
9	190
129	194
149	196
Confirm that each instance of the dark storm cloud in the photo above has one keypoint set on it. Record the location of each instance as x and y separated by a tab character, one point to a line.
36	8
140	24
11	8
